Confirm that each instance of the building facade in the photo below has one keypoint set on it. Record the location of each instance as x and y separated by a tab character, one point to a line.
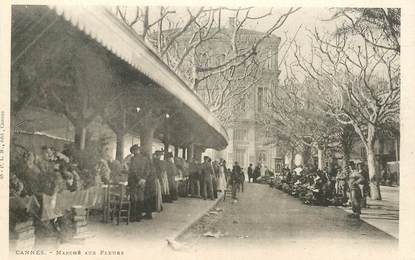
248	142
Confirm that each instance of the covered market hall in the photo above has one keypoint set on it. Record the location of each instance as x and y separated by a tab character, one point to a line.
83	81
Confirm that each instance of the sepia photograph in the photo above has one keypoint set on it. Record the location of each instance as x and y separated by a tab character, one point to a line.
204	132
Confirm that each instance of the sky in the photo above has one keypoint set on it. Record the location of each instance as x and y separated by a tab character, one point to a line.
307	17
303	20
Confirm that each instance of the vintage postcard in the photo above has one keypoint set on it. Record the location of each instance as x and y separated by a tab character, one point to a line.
207	130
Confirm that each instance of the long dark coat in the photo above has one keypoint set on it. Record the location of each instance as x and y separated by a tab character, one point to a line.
139	169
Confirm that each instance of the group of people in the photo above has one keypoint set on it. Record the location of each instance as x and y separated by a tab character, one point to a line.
48	173
254	174
151	179
340	186
207	178
259	174
389	178
154	181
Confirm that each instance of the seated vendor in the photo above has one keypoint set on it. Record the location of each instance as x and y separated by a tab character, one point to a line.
30	175
15	186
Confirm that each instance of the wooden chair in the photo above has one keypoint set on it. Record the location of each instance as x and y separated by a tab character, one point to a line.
119	204
227	192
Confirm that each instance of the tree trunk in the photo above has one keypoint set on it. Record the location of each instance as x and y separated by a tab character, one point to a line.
146	139
145	23
306	155
320	158
119	152
346	156
371	164
292	164
80	137
396	149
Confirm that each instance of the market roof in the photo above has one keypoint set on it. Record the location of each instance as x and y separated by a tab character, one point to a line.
103	27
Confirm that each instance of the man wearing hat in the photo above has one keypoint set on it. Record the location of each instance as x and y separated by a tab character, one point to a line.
235	179
139	168
250	173
194	170
206	176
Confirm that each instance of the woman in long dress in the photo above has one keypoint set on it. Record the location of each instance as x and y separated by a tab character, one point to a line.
158	169
222	177
171	175
159	201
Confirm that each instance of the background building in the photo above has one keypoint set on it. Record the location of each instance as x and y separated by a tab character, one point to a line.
248	142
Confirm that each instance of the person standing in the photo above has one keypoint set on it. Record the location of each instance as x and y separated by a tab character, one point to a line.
194	170
364	187
215	177
206	175
257	172
241	180
150	189
341	183
250	173
262	170
158	171
172	173
222	178
164	180
139	168
235	179
356	179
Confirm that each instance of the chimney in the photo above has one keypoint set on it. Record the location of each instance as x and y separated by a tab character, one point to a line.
231	22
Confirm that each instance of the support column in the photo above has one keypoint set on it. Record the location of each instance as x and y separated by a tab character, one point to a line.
119	151
81	124
166	149
176	151
146	139
190	152
184	152
150	122
120	131
197	153
80	136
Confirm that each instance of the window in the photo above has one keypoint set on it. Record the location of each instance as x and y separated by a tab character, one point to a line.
240	157
262	156
270	60
260	99
241	105
240	134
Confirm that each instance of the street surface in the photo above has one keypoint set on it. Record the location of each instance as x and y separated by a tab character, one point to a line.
383	214
264	221
267	220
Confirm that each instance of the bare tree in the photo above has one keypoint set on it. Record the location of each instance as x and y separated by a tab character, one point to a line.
378	26
293	115
221	64
77	86
359	85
